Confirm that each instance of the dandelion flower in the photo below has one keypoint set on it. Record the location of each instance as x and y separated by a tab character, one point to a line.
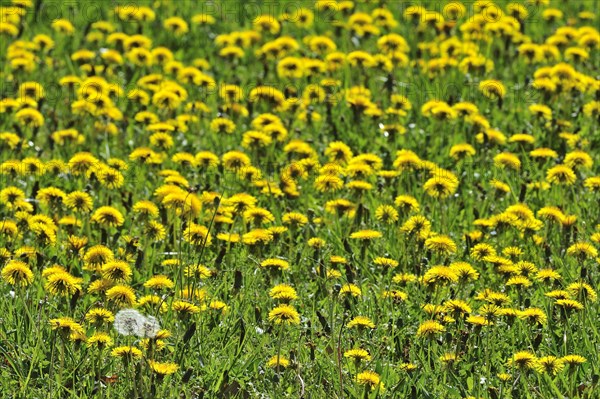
99	316
569	305
63	284
127	352
370	379
441	244
99	340
185	308
159	282
17	273
407	367
582	291
116	271
492	89
582	250
284	314
561	174
549	364
275	263
163	369
66	326
278	361
386	214
573	360
358	354
283	292
366	235
440	274
121	295
350	289
361	322
396	295
478	321
429	328
535	315
523	360
107	216
449	359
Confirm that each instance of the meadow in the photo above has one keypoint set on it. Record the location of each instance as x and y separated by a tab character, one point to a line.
299	199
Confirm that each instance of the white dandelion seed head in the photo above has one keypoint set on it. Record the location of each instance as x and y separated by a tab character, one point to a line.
149	328
129	322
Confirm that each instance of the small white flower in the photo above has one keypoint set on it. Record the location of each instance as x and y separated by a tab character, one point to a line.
129	322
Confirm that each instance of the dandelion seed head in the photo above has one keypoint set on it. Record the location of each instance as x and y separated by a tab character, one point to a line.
129	322
150	327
